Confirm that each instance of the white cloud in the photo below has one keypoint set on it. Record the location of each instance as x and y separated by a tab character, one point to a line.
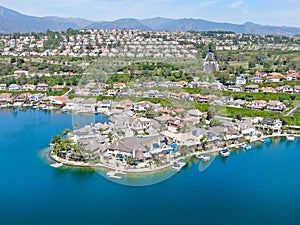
236	4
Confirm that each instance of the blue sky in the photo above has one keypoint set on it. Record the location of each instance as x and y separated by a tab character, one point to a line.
270	12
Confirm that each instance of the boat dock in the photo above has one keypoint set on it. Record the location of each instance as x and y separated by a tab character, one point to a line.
113	174
57	165
178	165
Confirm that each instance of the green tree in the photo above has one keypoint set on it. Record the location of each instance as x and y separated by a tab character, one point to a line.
211	112
251	64
238	116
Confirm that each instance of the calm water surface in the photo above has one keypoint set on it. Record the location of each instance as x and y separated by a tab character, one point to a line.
260	186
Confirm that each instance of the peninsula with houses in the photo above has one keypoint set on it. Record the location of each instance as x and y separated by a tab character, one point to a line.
167	96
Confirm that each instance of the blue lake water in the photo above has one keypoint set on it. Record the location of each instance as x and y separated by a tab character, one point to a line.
260	186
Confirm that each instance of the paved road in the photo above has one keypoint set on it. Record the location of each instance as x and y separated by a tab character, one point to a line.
67	93
293	110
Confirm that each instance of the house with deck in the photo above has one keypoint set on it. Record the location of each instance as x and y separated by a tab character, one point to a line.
268	90
42	87
14	87
277	106
268	124
251	88
256	80
6	98
28	87
3	87
297	89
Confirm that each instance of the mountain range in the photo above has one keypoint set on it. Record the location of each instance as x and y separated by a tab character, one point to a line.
12	21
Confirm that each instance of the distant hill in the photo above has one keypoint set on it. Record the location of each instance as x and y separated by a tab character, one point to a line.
120	24
163	24
12	21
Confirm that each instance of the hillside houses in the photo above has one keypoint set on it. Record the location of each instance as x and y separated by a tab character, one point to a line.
131	43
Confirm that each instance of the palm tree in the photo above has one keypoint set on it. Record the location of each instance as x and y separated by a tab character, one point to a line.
110	136
75	125
56	139
65	132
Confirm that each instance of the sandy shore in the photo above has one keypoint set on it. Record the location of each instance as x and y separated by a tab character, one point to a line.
160	168
107	166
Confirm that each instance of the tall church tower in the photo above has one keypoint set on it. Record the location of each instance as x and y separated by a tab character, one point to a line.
210	63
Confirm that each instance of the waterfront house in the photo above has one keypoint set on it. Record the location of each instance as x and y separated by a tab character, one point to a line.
130	148
267	124
6	98
200	132
122	105
37	97
59	100
248	131
89	104
216	135
106	104
120	148
182	139
272	124
232	133
23	97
